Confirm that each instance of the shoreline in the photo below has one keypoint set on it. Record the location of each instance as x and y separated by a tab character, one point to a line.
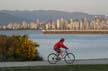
75	31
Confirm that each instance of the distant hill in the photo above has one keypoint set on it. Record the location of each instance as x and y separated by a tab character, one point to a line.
6	18
42	15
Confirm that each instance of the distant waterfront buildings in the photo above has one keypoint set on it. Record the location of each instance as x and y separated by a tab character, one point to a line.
61	24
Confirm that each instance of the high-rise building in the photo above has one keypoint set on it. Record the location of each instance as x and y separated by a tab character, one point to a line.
77	24
58	24
33	25
9	26
24	25
62	23
53	25
97	22
81	25
46	27
0	27
85	23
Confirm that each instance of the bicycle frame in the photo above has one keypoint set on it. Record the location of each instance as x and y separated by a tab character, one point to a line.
63	53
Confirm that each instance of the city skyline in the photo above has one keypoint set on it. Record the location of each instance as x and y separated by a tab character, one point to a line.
61	24
87	6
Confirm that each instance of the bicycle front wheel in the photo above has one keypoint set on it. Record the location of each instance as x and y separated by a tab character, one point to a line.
69	58
52	58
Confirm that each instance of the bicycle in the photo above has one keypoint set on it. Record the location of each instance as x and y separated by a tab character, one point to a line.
69	58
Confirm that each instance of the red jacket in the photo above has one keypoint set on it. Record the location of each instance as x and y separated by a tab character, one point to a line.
59	45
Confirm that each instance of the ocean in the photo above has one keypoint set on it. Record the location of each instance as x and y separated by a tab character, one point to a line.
84	46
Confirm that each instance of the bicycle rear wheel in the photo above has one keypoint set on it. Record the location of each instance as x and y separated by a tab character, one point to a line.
52	58
69	58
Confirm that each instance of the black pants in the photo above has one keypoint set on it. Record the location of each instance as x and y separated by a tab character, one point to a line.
58	50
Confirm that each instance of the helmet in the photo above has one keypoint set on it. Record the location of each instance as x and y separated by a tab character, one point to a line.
62	39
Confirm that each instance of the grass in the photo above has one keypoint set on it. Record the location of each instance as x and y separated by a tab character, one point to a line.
59	68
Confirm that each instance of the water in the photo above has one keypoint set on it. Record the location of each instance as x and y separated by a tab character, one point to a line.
84	46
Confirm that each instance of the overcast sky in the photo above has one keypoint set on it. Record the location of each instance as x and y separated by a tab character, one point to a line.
87	6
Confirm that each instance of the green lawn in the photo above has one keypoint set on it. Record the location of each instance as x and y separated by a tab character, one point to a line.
59	68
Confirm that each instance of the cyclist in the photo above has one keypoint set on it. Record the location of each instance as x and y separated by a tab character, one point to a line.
59	45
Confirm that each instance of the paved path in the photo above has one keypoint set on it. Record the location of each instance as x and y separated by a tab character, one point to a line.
45	63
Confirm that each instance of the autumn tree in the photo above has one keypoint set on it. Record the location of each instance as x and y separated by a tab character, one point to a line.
18	47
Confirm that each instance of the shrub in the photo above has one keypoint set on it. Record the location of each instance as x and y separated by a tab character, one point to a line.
17	47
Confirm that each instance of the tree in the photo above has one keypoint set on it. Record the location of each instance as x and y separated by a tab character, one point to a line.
18	47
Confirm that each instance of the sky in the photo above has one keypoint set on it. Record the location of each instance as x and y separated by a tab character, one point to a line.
87	6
